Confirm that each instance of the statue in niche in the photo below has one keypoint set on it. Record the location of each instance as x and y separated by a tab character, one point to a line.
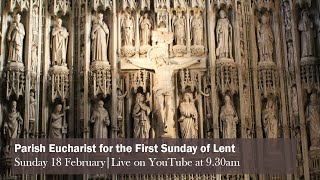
32	113
269	119
100	118
307	35
197	28
224	36
57	126
127	25
246	109
15	38
189	117
313	118
179	26
100	38
59	44
290	53
164	88
145	33
12	125
34	57
229	119
265	39
120	98
140	114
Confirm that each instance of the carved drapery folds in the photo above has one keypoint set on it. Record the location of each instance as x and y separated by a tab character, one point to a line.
140	113
59	72
127	25
179	26
188	119
196	33
15	69
60	6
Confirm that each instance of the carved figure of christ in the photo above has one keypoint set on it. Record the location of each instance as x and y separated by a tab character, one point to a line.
164	89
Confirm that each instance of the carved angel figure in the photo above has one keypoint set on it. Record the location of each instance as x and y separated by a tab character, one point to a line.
127	25
265	39
56	123
197	29
179	25
15	38
100	118
145	32
270	122
140	114
224	36
313	118
189	117
12	125
100	38
229	119
59	43
307	35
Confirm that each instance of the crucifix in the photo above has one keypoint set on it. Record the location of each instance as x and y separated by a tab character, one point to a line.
164	87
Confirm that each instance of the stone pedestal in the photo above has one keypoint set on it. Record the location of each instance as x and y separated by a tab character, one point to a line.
128	51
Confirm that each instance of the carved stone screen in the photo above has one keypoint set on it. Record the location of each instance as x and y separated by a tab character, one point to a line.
161	69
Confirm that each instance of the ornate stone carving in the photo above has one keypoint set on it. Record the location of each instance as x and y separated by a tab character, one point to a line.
145	5
201	4
145	33
249	126
269	119
313	118
162	4
163	88
59	77
100	78
227	76
179	29
120	98
221	3
287	20
188	79
303	3
294	102
103	4
60	6
189	117
228	119
100	39
19	5
58	124
12	126
15	38
182	4
127	28
140	114
310	73
100	118
307	35
197	25
15	67
140	78
264	4
128	5
268	78
32	114
59	44
224	37
265	39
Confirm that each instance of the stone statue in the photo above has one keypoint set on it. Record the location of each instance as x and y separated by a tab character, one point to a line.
294	101
197	29
100	38
100	118
145	32
59	44
140	114
269	119
224	36
307	35
12	125
229	119
179	27
265	39
189	117
290	54
32	113
164	88
127	25
287	20
120	98
15	38
313	118
57	126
